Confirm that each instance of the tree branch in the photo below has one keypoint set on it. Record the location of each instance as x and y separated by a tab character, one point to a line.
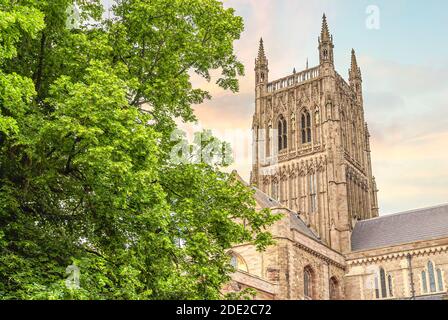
40	65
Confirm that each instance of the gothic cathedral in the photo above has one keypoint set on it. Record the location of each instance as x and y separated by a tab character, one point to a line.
311	164
312	150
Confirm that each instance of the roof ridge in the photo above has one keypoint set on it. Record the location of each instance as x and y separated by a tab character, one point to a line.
297	215
281	206
406	212
292	213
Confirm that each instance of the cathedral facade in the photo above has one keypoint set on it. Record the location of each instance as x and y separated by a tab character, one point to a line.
312	164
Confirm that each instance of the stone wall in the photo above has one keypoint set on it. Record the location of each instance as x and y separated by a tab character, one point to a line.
363	266
283	264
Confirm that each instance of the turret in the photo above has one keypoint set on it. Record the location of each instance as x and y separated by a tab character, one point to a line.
261	82
355	77
261	69
326	46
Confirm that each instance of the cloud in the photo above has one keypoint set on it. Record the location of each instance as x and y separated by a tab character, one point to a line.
406	110
412	174
403	99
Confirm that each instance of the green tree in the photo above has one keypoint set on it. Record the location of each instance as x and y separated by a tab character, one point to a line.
86	171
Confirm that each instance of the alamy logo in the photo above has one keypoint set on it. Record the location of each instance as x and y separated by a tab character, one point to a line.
265	149
371	278
72	281
373	20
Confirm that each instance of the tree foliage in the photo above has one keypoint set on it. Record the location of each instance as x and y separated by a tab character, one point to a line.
86	170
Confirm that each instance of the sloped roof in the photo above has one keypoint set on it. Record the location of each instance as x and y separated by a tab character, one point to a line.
295	221
299	225
264	200
406	227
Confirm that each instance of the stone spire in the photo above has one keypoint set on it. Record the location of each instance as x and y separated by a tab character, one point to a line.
261	54
325	33
261	66
354	64
355	78
326	45
355	71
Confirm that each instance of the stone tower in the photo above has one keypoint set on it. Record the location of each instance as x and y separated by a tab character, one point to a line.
311	144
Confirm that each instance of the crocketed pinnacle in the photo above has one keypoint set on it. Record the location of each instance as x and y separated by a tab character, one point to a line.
325	33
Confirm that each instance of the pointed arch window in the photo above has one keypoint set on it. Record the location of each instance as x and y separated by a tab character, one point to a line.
432	279
306	127
308	279
390	286
238	263
282	134
303	125
383	284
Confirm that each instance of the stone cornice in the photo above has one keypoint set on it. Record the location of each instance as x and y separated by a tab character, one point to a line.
318	251
319	255
397	255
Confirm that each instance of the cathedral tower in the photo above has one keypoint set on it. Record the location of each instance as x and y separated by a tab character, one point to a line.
311	144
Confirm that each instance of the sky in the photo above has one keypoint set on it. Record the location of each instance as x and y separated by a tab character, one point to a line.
404	62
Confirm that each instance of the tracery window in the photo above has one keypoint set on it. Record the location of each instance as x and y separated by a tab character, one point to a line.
282	134
306	127
390	286
383	284
432	279
308	275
